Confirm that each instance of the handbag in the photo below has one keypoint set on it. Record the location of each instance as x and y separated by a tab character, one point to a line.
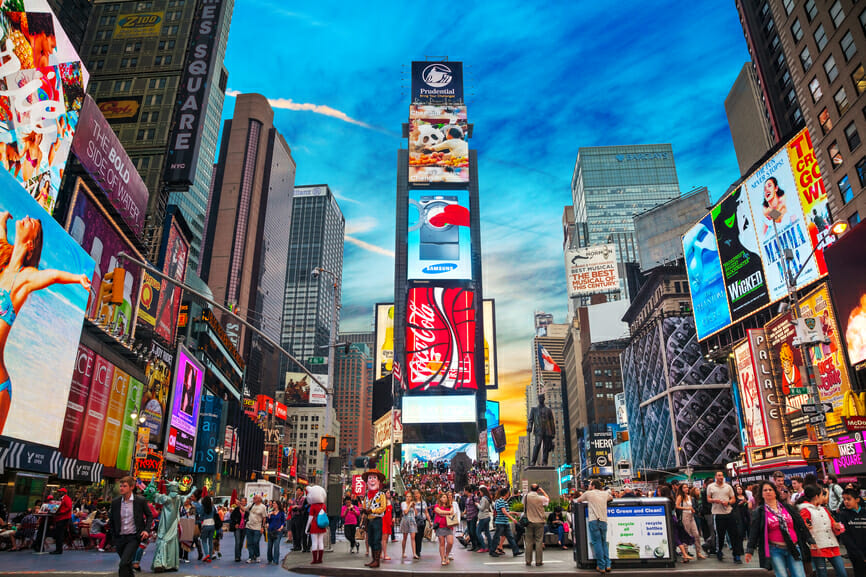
451	519
322	520
428	532
523	521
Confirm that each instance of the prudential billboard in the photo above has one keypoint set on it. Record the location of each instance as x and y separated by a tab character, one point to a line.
439	243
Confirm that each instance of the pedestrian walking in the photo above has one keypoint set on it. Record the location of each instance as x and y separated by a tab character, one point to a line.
485	514
237	525
422	520
685	507
708	524
208	527
351	515
722	498
835	497
316	520
445	520
408	527
824	529
276	526
470	514
61	520
853	517
533	507
502	522
257	514
776	532
597	501
299	519
130	522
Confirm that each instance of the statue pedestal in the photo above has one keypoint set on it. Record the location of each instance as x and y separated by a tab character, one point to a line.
546	477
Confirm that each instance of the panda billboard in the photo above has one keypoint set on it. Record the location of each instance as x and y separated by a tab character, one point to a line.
438	145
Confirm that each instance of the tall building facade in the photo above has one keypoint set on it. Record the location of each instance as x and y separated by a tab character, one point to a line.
73	16
774	67
659	230
307	427
247	250
747	119
352	400
315	240
136	53
826	44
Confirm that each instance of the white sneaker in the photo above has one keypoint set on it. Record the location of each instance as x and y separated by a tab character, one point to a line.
250	561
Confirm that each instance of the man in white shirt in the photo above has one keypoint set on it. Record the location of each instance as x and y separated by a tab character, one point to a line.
597	499
723	498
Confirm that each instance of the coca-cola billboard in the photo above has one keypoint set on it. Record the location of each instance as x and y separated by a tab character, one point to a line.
440	339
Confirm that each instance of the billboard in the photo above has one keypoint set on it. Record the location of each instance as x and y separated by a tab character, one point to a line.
621	412
44	84
439	245
706	281
192	95
438	144
491	414
491	367
302	390
176	251
845	262
120	111
129	427
746	288
208	435
97	405
432	452
154	399
437	83
772	187
440	339
750	397
591	270
183	418
384	355
600	449
44	283
149	298
70	437
103	157
98	234
444	409
790	375
139	25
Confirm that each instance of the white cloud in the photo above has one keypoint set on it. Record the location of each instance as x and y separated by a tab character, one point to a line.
361	225
370	247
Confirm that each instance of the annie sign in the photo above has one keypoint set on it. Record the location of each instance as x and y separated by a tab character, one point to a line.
591	270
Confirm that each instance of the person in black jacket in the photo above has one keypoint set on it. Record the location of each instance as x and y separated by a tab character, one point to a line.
852	514
785	558
708	525
237	525
131	519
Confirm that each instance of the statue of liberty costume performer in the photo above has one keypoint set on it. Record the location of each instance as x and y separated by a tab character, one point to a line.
166	556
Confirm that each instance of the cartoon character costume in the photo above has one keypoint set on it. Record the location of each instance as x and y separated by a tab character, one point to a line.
316	497
375	505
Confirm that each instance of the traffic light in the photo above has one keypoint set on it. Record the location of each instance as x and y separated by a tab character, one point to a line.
810	452
327	444
110	293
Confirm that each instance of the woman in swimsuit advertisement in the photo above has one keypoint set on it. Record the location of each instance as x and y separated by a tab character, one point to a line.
19	278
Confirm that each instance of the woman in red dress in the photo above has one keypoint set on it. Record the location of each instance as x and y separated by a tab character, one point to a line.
316	497
387	520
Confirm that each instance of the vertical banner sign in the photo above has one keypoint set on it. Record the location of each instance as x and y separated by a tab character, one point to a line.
154	399
740	255
142	440
183	418
129	429
77	403
384	361
790	374
706	281
491	371
173	265
208	435
97	405
750	397
772	407
192	95
114	418
813	195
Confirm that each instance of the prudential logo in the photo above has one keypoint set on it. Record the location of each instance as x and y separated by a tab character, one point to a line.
437	75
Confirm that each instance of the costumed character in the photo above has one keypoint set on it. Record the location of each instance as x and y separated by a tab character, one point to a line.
316	497
166	556
375	505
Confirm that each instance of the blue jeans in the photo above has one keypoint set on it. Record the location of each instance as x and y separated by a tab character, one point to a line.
820	564
560	532
374	533
483	530
598	538
207	541
274	538
253	538
239	543
785	565
504	529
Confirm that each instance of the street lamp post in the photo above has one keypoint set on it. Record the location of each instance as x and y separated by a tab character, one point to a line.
332	343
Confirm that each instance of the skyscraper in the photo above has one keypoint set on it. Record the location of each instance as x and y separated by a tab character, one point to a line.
247	250
352	398
315	240
136	52
747	119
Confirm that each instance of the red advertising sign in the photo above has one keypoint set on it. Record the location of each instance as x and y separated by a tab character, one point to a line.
440	338
281	411
359	487
75	407
265	404
97	405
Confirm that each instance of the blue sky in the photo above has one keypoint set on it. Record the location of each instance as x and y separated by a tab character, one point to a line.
542	80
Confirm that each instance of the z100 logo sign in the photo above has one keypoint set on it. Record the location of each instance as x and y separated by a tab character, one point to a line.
440	339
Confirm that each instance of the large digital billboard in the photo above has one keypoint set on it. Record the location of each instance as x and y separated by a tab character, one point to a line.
303	390
97	233
745	286
491	414
491	368
183	418
438	239
591	270
45	85
440	339
444	409
433	452
845	261
790	375
175	254
437	82
384	354
706	281
438	144
44	283
154	399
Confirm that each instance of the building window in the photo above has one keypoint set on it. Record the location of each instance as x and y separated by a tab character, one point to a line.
852	136
107	20
791	97
132	47
780	61
848	47
112	8
796	31
841	99
789	6
99	65
122	85
166	44
837	14
835	155
146	134
775	43
815	89
103	35
845	190
820	37
152	116
786	79
863	20
824	119
142	163
156	83
162	60
169	30
153	100
806	59
854	220
830	69
764	9
174	15
858	77
861	171
128	62
143	6
811	10
769	27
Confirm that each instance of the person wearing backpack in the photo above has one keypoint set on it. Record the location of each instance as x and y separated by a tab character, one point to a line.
835	497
